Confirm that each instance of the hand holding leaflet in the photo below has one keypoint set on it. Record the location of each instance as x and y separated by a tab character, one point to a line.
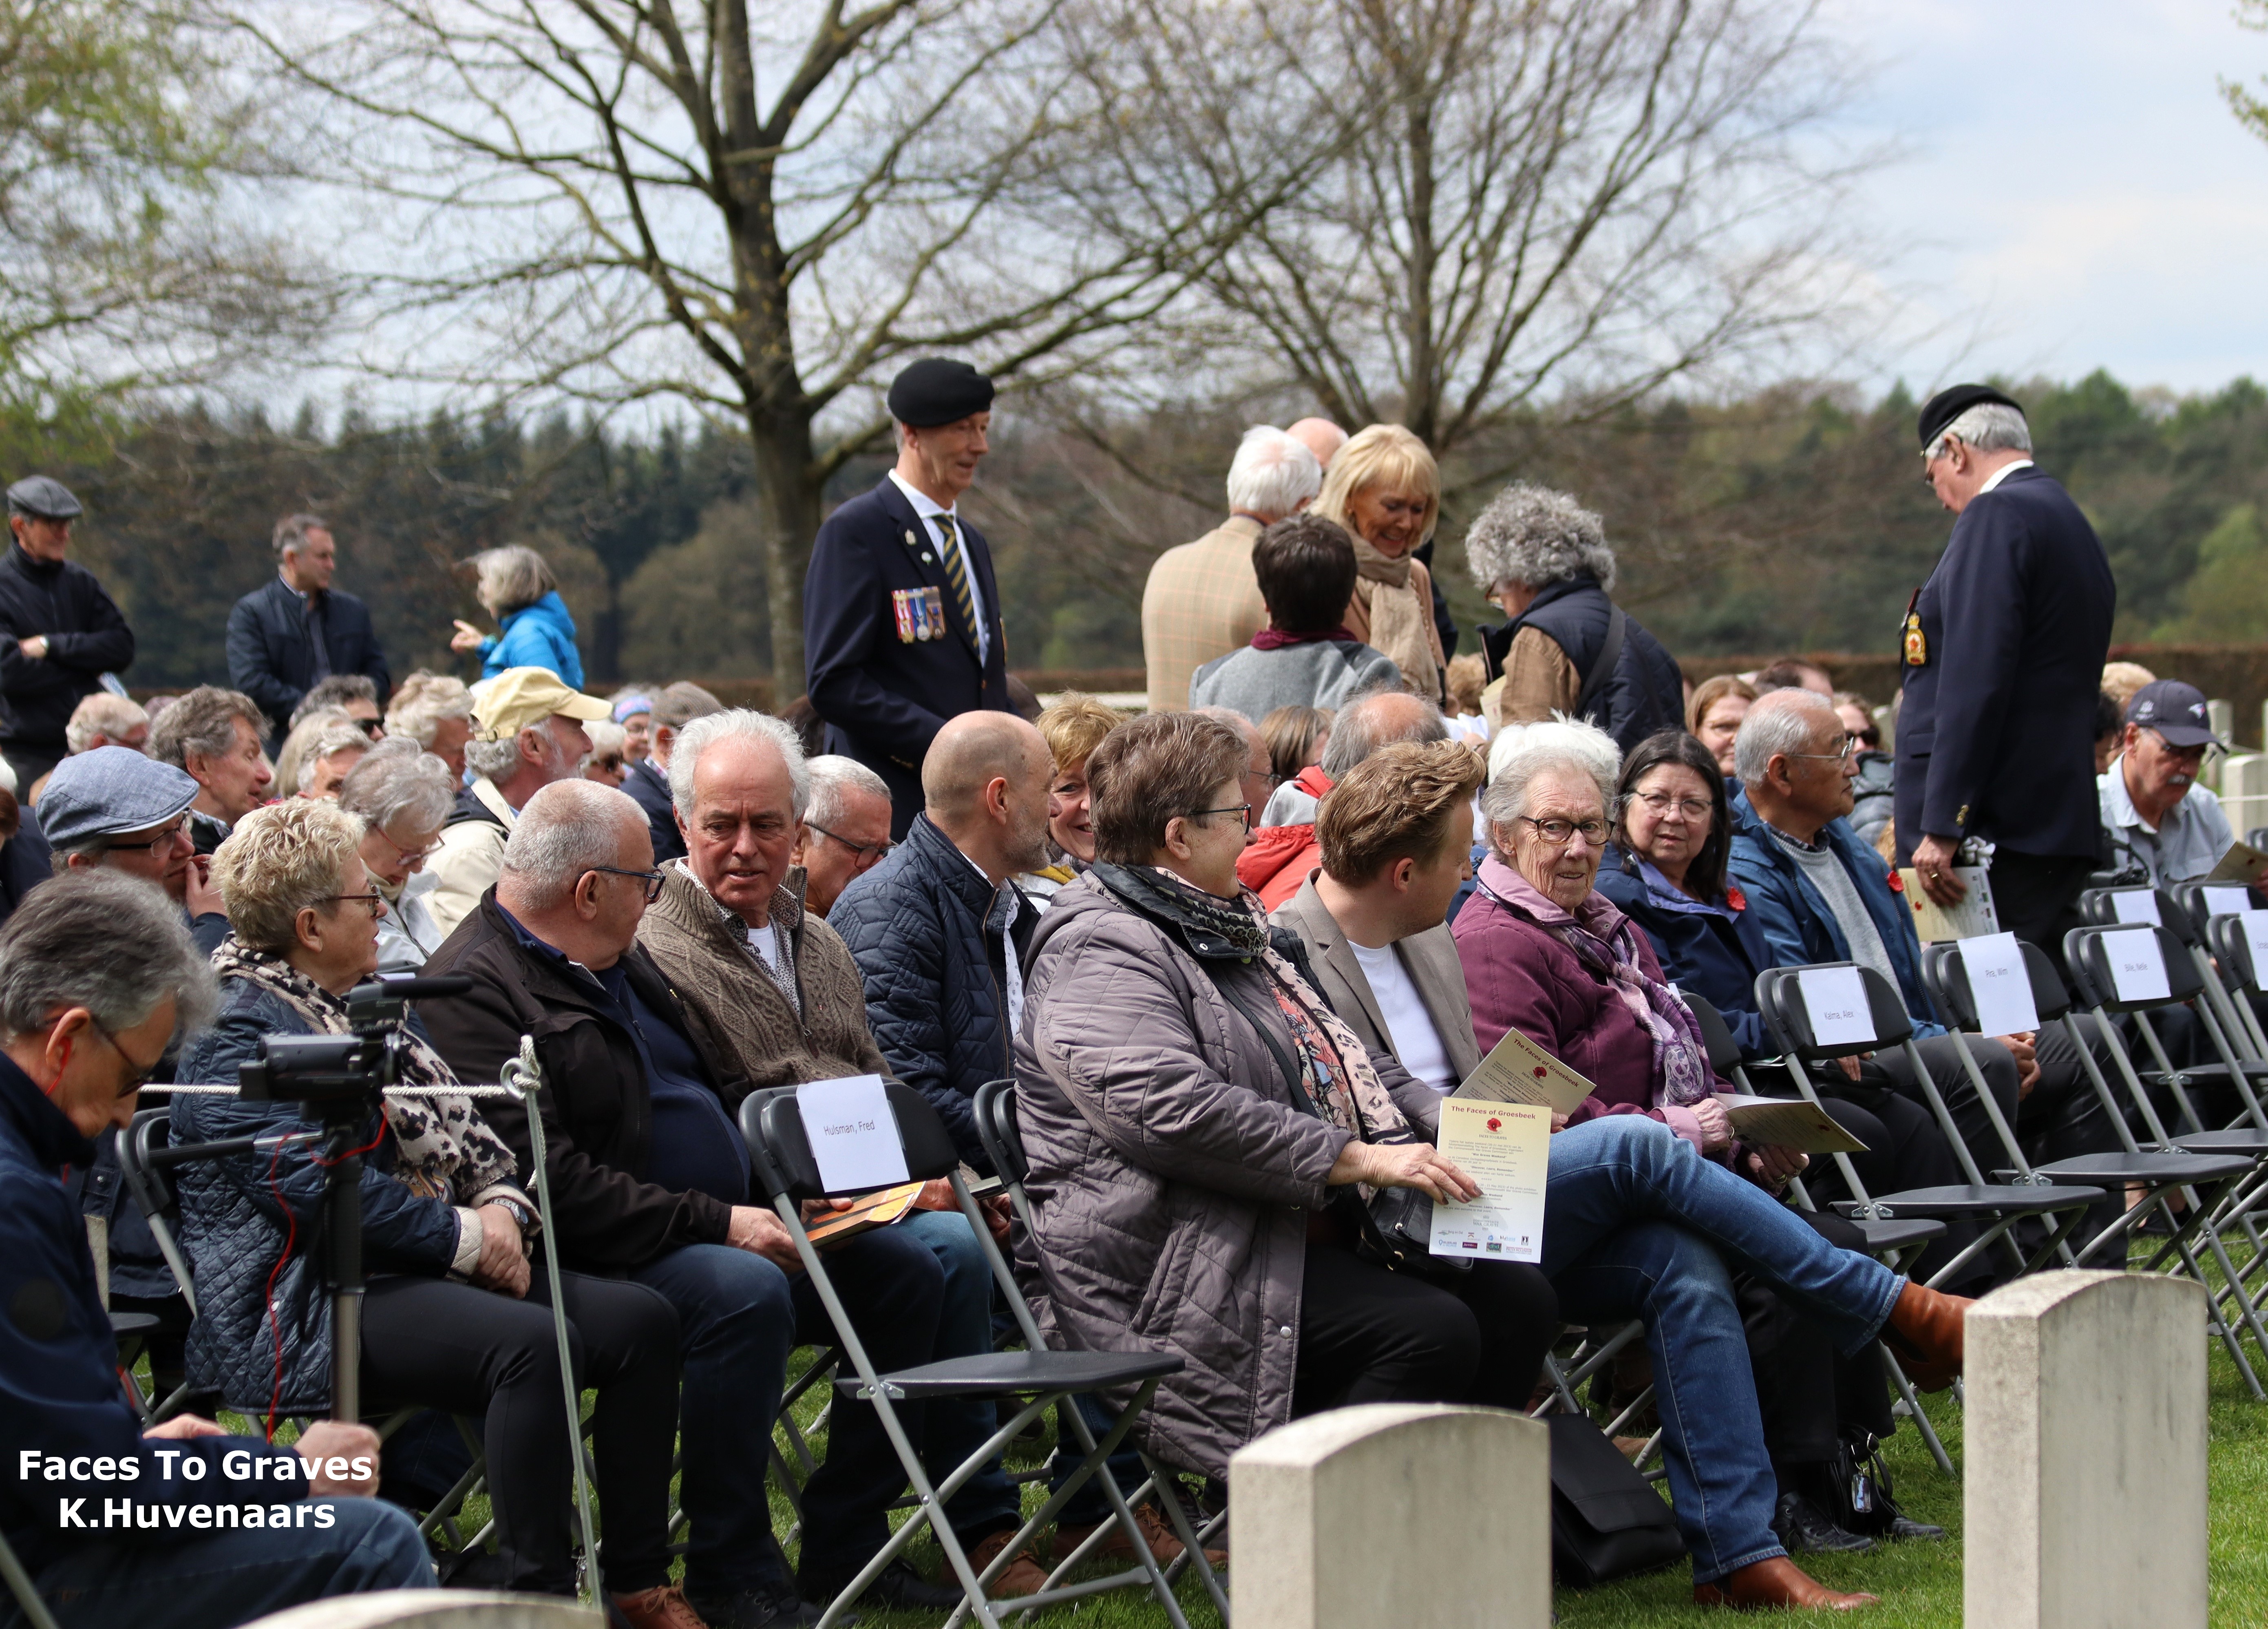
2243	863
1787	1122
1518	1071
1968	918
1506	1149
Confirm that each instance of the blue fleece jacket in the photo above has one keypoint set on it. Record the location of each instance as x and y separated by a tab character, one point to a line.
541	635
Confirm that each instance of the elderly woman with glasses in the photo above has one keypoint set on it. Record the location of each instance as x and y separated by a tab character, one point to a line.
402	794
451	1317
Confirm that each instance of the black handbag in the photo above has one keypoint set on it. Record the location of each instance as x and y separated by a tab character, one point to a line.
1607	1520
1859	1497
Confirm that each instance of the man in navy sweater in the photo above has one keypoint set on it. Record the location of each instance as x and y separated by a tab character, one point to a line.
2003	648
183	1525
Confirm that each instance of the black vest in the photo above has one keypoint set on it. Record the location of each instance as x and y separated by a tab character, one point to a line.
1640	695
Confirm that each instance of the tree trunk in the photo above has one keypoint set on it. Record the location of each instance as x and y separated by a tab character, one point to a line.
787	517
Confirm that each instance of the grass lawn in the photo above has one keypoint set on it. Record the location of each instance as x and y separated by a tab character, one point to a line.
1919	1584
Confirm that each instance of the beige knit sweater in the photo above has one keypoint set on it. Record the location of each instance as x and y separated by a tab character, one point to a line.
715	974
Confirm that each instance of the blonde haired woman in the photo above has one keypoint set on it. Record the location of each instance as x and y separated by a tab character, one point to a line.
1384	489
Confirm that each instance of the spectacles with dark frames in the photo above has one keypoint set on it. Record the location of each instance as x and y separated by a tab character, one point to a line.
372	727
653	880
1559	833
176	829
143	1072
376	902
1243	809
867	852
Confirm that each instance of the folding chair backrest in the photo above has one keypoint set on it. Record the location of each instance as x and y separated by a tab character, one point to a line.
998	1130
780	1153
1724	1051
2257	837
1946	972
146	1183
2232	947
2091	952
1779	996
2137	903
2203	901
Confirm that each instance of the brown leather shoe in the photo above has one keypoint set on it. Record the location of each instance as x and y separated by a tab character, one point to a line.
1925	1333
662	1607
1157	1532
1779	1582
1021	1576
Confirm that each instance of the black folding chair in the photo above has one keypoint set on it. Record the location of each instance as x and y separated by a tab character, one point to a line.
995	1111
1996	1206
2162	1174
788	1173
2097	956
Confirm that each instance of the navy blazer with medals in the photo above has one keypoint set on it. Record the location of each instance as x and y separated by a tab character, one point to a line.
1996	732
880	667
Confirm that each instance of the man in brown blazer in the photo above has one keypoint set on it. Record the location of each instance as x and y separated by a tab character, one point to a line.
1395	832
1202	599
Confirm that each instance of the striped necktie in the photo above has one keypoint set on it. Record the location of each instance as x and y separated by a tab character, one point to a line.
956	571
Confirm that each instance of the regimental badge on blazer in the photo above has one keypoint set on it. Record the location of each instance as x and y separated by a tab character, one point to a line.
1916	642
920	614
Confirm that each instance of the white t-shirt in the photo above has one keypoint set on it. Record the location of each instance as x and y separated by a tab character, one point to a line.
1410	1026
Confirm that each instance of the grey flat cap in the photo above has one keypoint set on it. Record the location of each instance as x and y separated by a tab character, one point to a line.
110	790
45	497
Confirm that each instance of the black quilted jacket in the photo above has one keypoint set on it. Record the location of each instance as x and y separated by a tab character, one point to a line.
238	1213
925	928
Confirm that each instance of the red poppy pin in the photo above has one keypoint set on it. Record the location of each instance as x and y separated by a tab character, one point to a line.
1897	883
1496	1125
1737	900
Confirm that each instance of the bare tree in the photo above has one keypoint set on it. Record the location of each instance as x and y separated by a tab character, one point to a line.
1513	204
622	199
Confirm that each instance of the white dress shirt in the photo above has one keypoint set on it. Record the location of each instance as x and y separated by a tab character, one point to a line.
2002	474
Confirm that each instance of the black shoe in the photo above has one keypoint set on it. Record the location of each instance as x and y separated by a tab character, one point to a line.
1903	1526
899	1586
1807	1529
760	1608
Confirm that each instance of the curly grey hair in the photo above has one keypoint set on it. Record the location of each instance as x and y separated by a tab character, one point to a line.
1534	535
399	780
1523	752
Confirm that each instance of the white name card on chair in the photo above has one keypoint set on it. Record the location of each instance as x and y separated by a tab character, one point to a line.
2141	905
2227	901
1835	998
852	1132
1999	985
2137	971
2256	935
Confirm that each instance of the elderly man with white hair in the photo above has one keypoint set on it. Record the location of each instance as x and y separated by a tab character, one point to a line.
1202	599
1543	559
845	831
2003	648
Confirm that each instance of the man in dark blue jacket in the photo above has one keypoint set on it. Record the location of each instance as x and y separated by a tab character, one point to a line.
60	631
116	1524
2003	648
296	629
938	929
901	612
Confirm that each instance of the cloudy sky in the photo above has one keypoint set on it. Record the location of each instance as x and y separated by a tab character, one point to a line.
2074	184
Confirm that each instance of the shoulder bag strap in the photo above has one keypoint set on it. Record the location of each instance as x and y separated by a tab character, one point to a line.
1602	667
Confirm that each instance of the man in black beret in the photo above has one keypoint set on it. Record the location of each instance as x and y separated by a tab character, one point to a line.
59	631
2003	648
901	612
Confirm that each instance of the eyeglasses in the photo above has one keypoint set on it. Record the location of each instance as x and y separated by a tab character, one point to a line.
143	1072
867	852
164	839
1851	744
376	902
651	879
372	727
411	857
1659	804
1559	833
1242	809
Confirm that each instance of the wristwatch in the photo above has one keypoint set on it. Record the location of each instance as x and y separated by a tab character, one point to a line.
520	1213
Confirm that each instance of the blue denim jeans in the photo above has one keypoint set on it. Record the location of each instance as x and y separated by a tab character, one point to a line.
1639	1225
213	1580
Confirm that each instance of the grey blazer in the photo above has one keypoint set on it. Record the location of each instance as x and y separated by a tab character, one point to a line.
1430	958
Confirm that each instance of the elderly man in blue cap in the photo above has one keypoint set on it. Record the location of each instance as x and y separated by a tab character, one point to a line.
60	631
118	810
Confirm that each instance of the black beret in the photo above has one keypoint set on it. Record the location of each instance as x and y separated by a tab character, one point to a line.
935	390
1948	405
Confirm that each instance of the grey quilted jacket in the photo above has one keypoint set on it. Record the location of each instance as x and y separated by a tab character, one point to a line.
1172	1177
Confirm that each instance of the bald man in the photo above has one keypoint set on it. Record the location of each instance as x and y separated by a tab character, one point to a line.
1320	436
938	929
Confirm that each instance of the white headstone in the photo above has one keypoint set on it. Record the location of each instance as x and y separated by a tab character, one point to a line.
435	1609
1417	1515
2086	1454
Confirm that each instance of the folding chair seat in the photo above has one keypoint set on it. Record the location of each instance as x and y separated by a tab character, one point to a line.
1999	1206
788	1174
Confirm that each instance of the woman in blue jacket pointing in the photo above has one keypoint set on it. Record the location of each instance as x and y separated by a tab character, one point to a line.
516	586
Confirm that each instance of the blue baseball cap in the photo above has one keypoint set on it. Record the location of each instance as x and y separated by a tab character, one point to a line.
109	791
